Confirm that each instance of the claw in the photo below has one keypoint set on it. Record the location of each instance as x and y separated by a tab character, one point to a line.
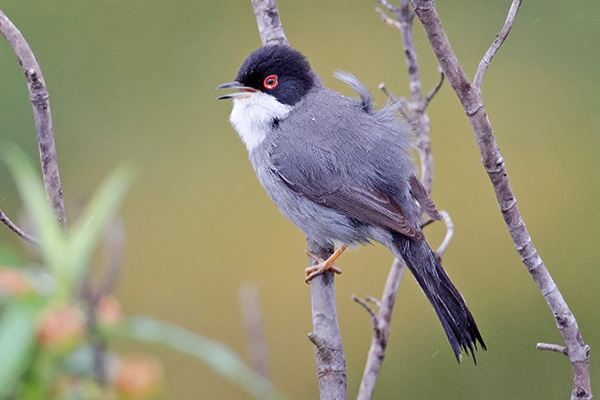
323	265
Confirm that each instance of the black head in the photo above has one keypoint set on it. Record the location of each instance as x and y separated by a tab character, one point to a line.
279	71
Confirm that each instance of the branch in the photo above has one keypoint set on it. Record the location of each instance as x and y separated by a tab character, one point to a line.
553	347
269	24
414	111
417	106
329	352
449	233
435	90
13	227
41	112
381	329
470	98
487	58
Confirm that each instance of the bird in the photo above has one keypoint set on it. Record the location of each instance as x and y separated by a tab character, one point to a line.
341	171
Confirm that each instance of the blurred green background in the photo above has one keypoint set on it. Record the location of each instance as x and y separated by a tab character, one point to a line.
134	81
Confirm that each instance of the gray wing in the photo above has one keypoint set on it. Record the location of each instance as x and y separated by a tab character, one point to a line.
321	176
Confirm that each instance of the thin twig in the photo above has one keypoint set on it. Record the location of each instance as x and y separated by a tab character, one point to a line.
553	347
385	91
41	112
416	115
381	330
391	8
387	19
13	227
374	300
470	98
368	308
449	233
434	91
414	112
487	58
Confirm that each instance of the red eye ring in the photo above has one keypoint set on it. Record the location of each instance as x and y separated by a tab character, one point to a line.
270	82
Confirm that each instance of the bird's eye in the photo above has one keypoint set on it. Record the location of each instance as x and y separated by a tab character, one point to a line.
270	81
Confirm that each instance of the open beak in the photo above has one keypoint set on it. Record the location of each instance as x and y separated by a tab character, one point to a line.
245	91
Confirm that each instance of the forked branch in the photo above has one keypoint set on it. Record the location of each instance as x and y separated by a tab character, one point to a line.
469	95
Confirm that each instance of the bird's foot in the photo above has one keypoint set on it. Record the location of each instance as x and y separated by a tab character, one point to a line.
323	265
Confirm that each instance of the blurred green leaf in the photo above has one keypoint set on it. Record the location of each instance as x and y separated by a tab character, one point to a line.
66	255
17	339
32	192
216	355
87	231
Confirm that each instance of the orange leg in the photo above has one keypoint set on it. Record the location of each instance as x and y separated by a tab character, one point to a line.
323	265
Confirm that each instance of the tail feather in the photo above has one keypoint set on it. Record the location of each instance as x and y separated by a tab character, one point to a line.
448	303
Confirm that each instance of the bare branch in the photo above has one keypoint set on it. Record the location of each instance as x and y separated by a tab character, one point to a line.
385	91
374	300
435	90
254	327
269	24
329	352
387	19
13	227
449	233
391	8
368	308
381	330
414	112
41	112
553	347
487	58
470	98
418	104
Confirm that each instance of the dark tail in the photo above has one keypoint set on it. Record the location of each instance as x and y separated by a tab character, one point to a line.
446	300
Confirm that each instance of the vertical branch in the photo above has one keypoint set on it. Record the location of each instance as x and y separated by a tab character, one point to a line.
415	112
269	24
41	111
417	104
470	98
329	352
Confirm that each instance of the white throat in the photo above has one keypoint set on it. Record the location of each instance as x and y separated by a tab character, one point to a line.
252	117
